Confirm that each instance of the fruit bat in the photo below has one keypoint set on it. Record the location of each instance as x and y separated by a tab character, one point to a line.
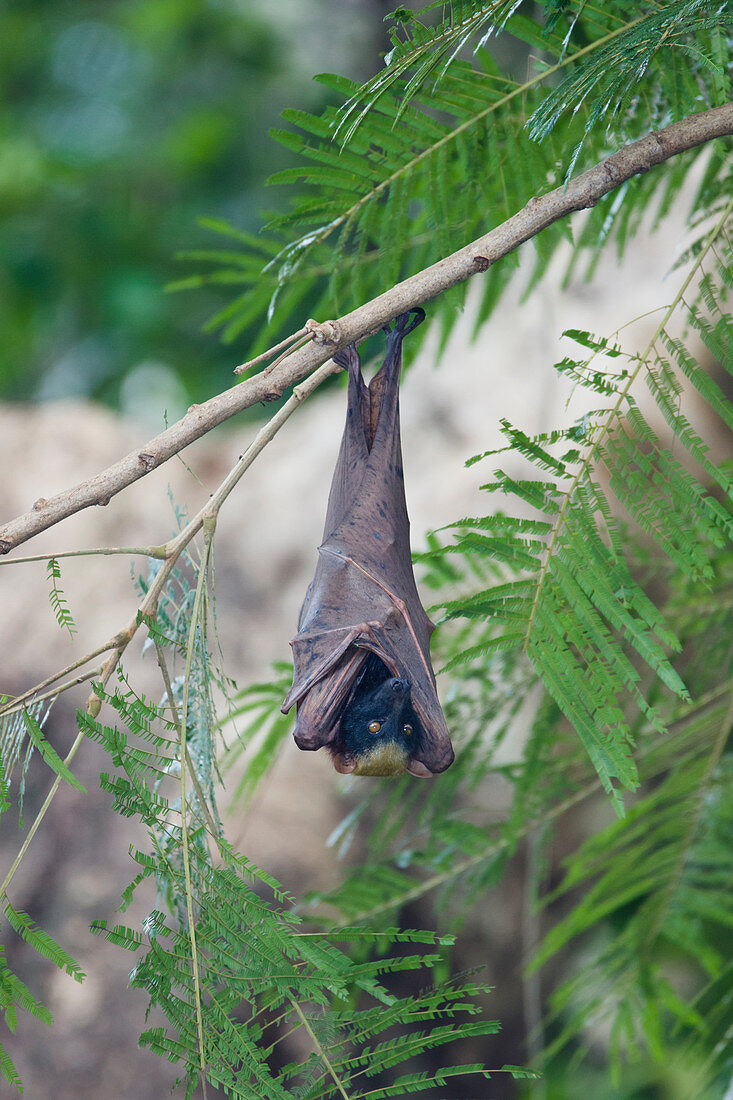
363	681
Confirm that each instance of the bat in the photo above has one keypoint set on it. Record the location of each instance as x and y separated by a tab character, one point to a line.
363	682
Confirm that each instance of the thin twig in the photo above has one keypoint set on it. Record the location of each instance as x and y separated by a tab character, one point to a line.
319	1047
270	351
294	347
540	212
531	935
162	665
145	551
31	692
118	644
209	528
16	705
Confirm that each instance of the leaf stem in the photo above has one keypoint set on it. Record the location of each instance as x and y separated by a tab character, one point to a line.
146	551
12	703
531	937
17	706
271	351
321	1052
39	818
209	528
162	665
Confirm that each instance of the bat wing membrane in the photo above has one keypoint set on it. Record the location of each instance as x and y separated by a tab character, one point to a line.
363	597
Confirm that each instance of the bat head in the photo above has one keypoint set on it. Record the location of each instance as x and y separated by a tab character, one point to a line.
379	729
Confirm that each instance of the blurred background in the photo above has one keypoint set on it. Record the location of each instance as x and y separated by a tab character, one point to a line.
123	123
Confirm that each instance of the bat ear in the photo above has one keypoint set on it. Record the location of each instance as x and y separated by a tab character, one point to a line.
342	764
418	769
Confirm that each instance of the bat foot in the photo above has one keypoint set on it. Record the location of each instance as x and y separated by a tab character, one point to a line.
403	326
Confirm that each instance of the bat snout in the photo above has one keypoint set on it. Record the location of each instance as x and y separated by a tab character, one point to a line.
399	686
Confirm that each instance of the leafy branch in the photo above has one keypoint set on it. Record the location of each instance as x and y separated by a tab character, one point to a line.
422	50
209	526
117	645
554	639
540	212
615	415
256	969
57	599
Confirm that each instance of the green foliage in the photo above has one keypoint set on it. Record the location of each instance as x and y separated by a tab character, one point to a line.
662	53
48	752
650	894
665	47
251	974
420	51
662	877
291	980
13	738
98	191
42	942
14	994
586	636
435	150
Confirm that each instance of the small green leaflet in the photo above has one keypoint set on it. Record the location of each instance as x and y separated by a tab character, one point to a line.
57	599
48	752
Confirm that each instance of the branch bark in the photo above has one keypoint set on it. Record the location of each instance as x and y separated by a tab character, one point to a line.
540	212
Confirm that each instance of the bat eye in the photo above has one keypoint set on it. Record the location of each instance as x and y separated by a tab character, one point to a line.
375	727
407	730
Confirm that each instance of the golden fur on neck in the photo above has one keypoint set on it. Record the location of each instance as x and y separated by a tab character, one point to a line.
384	759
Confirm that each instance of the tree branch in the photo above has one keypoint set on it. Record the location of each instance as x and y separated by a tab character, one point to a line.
540	212
117	645
172	549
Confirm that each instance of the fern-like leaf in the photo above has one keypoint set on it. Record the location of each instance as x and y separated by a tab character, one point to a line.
57	598
48	752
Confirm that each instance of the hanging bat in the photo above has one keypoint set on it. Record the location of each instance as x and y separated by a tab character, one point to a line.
363	681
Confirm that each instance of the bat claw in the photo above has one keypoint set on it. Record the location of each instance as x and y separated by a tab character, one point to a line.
403	326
